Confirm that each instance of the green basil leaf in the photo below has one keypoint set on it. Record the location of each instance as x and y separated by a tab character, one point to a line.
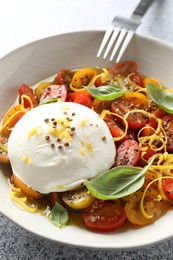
58	215
106	92
161	97
118	182
48	100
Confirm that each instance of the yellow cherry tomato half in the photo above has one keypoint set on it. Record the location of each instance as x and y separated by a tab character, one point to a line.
78	199
151	80
139	100
83	77
153	206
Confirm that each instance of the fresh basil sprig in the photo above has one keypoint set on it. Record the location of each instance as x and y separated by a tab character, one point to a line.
58	216
107	92
161	97
117	182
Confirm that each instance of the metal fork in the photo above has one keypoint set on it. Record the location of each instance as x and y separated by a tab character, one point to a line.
121	31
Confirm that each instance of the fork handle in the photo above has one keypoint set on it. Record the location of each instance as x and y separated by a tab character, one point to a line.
142	8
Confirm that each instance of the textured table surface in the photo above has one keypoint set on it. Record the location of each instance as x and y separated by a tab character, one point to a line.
24	21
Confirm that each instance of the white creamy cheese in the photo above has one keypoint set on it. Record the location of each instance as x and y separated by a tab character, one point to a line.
58	146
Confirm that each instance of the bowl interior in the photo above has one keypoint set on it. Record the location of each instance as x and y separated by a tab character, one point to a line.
46	57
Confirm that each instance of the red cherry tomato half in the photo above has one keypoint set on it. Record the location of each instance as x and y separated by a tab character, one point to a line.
104	216
148	152
123	68
84	100
136	120
137	79
64	77
25	90
3	150
98	82
128	153
55	91
167	185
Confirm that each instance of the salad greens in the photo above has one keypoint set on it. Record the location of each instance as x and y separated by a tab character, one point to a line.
161	97
58	215
107	92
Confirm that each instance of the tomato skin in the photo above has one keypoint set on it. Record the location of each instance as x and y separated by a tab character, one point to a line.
123	68
137	79
104	216
81	97
152	207
167	184
4	154
128	153
167	123
136	120
84	100
55	91
148	153
26	190
158	112
117	129
98	82
25	90
6	131
64	77
114	127
128	102
82	77
100	105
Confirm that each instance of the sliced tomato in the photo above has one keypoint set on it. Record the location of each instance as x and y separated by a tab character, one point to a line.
151	80
123	68
3	150
104	216
148	152
154	207
137	120
78	198
25	189
25	90
137	79
117	129
83	77
158	112
167	123
55	91
84	100
167	185
100	105
131	101
128	153
150	127
64	77
11	118
135	100
98	82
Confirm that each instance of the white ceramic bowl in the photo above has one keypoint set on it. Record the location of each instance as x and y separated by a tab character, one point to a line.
43	58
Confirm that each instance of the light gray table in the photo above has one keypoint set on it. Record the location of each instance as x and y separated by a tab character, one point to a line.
25	21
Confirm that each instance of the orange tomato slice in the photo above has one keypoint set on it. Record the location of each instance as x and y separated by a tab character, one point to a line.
26	190
10	119
136	98
83	77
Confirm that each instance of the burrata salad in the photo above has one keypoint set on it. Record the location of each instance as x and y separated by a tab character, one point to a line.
93	144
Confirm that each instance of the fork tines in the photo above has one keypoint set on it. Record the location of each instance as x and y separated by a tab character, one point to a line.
119	32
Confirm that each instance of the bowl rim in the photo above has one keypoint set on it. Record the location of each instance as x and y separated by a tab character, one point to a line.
6	213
